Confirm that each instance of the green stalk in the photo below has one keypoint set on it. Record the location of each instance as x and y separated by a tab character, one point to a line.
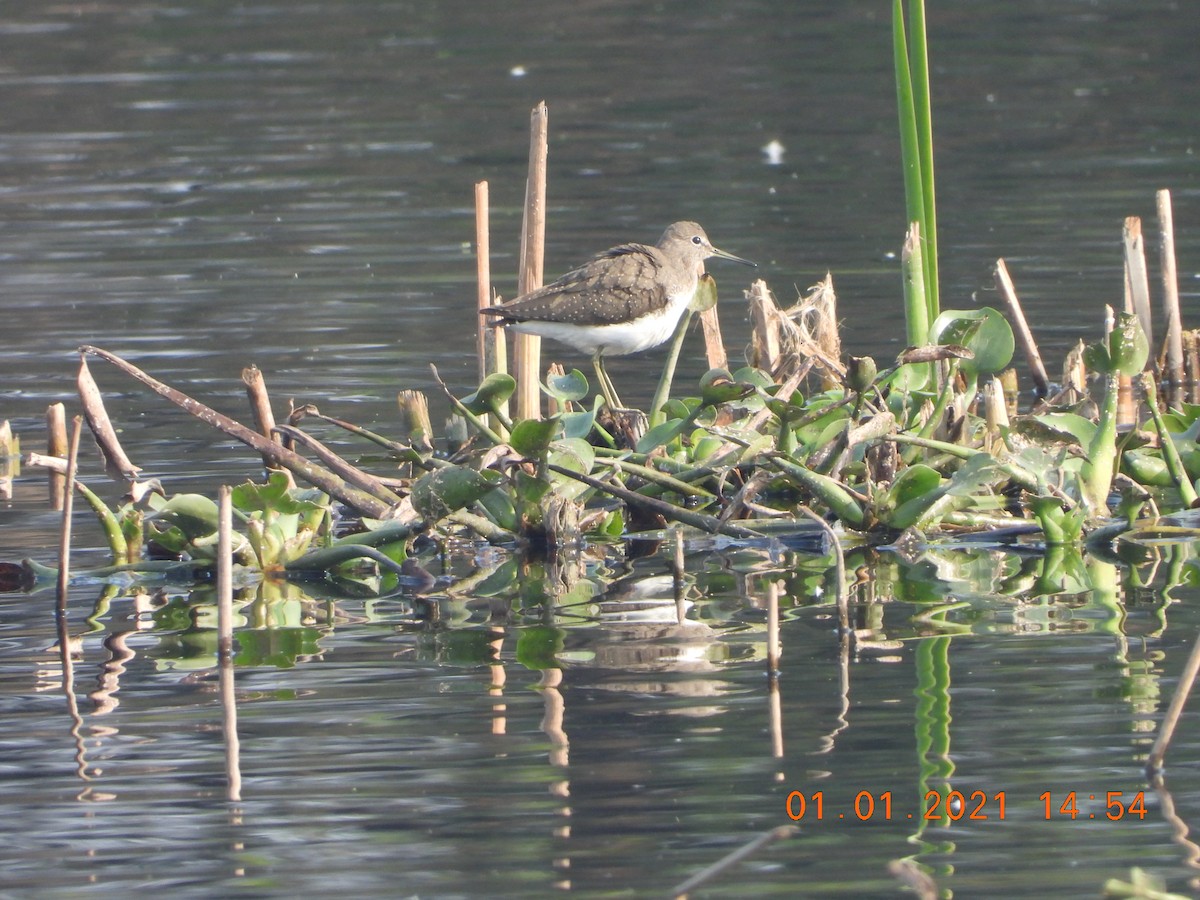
828	490
1097	472
916	149
919	56
663	392
117	544
1187	493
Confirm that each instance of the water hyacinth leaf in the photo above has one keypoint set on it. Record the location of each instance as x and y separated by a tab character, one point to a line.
580	424
193	514
574	454
277	496
498	505
679	409
985	332
915	490
571	387
662	434
492	393
717	386
1123	352
756	377
705	297
438	493
1063	427
977	473
532	437
1146	468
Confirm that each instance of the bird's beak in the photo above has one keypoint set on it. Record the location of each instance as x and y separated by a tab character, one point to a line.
729	256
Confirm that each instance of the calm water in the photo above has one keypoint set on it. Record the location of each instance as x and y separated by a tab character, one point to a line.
203	186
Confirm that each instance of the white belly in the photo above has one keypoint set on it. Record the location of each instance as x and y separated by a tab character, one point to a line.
613	340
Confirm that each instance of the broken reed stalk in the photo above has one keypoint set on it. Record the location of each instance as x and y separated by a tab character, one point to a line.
1137	282
485	347
714	346
116	463
363	480
764	323
260	406
492	340
56	446
233	771
318	477
528	347
414	420
1154	762
1170	280
224	573
68	509
1041	381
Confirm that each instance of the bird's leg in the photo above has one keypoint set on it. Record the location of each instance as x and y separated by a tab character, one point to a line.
606	385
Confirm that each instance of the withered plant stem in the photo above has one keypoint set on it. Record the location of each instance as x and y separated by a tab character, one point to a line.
1170	280
1041	381
68	509
318	477
528	350
56	446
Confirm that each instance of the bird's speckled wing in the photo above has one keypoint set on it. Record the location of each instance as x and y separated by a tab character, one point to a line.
615	286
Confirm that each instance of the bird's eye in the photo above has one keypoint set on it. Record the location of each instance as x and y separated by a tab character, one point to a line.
696	240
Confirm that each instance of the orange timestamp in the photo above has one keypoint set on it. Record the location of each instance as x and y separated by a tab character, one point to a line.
973	806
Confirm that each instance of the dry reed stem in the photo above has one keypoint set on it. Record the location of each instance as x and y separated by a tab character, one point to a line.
1170	280
1137	282
714	345
354	475
233	771
1041	382
68	509
786	341
56	446
313	474
260	406
485	346
224	572
533	242
116	463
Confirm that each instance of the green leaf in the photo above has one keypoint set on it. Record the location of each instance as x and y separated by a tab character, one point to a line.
277	496
662	434
438	493
912	493
532	437
574	454
570	387
1124	352
1065	426
491	393
985	332
580	424
717	386
193	514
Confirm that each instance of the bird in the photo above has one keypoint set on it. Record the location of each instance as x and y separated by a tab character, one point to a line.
624	300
